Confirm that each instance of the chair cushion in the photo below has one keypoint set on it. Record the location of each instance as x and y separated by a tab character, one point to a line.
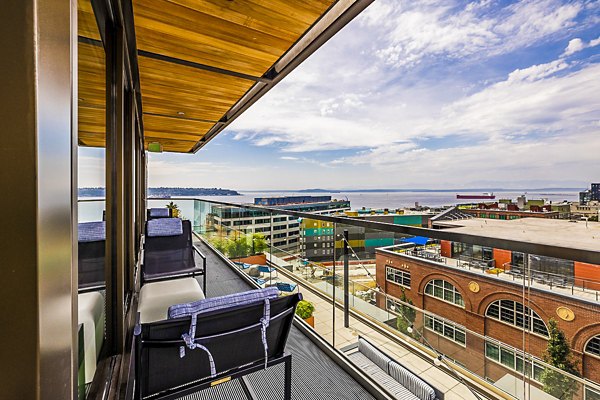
218	303
91	315
411	381
165	227
379	376
378	358
157	297
159	212
91	231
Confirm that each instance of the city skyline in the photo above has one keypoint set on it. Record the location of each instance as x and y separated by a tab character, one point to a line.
432	96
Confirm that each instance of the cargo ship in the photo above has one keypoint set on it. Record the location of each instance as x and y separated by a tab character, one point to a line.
483	196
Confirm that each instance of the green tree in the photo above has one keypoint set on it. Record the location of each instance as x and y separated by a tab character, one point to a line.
558	354
238	247
175	212
219	244
259	243
407	314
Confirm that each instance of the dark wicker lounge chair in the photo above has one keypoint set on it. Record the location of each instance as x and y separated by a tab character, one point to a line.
153	213
233	338
168	257
91	251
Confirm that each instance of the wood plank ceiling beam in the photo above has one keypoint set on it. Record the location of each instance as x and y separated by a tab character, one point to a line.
204	67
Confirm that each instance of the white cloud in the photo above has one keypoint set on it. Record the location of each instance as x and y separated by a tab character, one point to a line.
402	74
503	161
536	72
412	32
344	103
574	46
90	171
530	101
188	173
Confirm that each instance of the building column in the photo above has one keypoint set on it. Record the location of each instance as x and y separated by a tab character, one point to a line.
116	231
38	289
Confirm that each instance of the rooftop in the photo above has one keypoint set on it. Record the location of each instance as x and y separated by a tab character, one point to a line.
554	232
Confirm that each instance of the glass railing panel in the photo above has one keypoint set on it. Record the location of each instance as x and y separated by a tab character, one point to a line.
428	302
182	208
89	210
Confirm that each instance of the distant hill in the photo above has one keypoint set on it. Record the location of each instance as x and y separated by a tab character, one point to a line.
166	192
317	191
460	190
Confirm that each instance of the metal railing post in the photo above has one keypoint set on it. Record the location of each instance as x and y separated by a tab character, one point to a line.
346	282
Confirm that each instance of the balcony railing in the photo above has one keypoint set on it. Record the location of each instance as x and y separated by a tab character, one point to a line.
585	289
506	363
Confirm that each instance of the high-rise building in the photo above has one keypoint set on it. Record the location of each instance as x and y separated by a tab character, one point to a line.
595	192
318	239
592	194
281	229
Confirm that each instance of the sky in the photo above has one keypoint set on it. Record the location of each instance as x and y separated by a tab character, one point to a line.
428	94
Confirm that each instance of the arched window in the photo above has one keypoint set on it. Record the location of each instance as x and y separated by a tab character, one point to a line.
515	313
444	290
593	346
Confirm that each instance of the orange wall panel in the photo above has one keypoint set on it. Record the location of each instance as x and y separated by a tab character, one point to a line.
502	257
586	273
446	248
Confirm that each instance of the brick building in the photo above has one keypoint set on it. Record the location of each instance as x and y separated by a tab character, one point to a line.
546	231
478	319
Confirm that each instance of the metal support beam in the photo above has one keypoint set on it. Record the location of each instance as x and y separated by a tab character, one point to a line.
247	388
129	186
203	67
346	281
115	196
39	269
140	212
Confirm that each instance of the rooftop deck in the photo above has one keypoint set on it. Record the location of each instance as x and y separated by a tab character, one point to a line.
314	374
538	280
553	232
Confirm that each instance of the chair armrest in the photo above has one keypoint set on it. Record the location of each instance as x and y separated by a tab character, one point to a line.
94	288
137	329
197	250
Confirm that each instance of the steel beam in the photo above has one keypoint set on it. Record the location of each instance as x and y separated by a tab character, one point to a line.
346	280
37	169
115	190
203	67
129	189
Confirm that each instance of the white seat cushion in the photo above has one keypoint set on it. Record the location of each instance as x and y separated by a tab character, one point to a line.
91	315
157	297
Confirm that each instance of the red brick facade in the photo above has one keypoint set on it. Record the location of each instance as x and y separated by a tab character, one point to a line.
585	325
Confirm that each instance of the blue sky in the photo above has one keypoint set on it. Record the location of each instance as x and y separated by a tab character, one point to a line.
435	94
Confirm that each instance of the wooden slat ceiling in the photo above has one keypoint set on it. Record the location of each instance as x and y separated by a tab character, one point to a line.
196	59
181	103
91	80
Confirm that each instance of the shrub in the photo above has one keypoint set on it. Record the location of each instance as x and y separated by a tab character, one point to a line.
305	309
558	354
